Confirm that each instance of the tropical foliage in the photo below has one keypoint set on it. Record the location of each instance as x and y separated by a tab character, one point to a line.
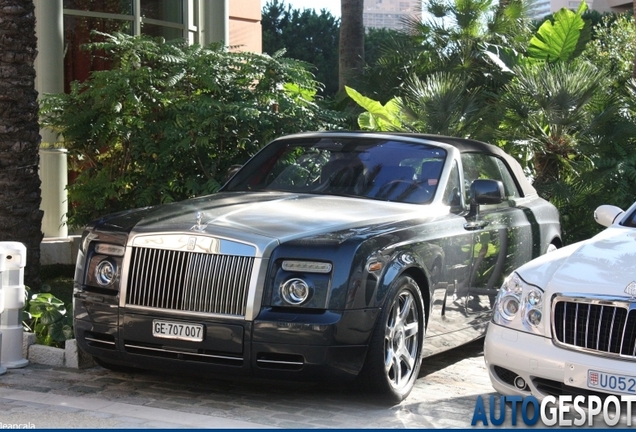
559	98
169	120
48	318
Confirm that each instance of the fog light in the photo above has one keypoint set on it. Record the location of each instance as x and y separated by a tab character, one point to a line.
520	383
105	273
295	291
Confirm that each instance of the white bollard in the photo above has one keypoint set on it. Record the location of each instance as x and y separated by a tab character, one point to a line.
12	262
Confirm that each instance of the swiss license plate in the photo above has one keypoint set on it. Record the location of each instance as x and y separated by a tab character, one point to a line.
612	383
177	330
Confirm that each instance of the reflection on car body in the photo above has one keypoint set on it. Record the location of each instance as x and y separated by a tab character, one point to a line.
565	323
327	255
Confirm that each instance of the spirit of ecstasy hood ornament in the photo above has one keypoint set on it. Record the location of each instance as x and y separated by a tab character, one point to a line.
631	290
199	227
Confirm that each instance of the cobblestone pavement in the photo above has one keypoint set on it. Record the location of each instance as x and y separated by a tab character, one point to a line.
44	396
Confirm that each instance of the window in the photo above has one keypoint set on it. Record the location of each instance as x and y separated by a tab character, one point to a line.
164	18
484	166
452	194
375	169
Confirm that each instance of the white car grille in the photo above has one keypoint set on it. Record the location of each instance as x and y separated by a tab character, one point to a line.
189	281
597	325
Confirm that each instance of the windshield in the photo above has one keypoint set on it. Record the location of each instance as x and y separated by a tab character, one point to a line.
361	167
630	221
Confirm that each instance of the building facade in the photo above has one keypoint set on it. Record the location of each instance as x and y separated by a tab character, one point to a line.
541	8
389	14
63	26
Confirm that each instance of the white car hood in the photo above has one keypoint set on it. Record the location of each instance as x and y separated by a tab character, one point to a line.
604	264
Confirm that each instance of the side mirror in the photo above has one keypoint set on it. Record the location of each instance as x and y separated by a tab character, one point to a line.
485	191
607	215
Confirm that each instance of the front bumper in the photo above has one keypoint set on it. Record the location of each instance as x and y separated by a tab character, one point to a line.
278	344
545	368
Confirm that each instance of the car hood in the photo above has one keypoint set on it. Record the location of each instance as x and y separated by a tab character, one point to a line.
275	216
602	265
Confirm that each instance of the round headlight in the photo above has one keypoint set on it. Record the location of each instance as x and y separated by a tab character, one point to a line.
105	273
294	291
509	307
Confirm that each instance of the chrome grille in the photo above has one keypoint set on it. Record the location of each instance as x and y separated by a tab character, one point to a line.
189	281
595	325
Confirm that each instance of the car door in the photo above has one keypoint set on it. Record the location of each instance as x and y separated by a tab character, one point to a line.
451	277
503	240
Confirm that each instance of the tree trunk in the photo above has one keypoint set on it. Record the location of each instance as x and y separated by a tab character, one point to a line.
20	215
351	47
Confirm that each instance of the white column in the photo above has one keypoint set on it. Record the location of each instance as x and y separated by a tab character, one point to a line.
54	177
49	67
216	21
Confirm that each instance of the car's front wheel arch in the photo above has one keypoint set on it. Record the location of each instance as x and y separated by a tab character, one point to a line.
423	283
394	356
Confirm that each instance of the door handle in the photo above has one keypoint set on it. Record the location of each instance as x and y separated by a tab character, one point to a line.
475	225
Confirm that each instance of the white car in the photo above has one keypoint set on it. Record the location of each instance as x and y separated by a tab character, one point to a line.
565	323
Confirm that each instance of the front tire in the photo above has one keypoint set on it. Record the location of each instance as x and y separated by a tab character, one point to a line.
395	352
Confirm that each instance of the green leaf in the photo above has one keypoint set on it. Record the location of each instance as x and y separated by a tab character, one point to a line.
50	317
46	298
58	332
378	117
298	91
558	41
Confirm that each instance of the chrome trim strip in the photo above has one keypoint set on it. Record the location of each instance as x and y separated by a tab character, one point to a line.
123	287
612	327
255	292
280	362
189	242
182	352
598	332
99	341
180	313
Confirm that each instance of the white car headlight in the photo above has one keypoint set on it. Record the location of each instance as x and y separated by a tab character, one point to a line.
519	305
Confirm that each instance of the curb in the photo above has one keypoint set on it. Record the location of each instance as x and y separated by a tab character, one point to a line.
70	356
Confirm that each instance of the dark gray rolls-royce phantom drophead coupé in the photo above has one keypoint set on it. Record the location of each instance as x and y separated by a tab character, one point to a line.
341	255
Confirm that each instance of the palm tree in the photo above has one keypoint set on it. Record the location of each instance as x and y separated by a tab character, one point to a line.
20	215
574	130
452	51
351	44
